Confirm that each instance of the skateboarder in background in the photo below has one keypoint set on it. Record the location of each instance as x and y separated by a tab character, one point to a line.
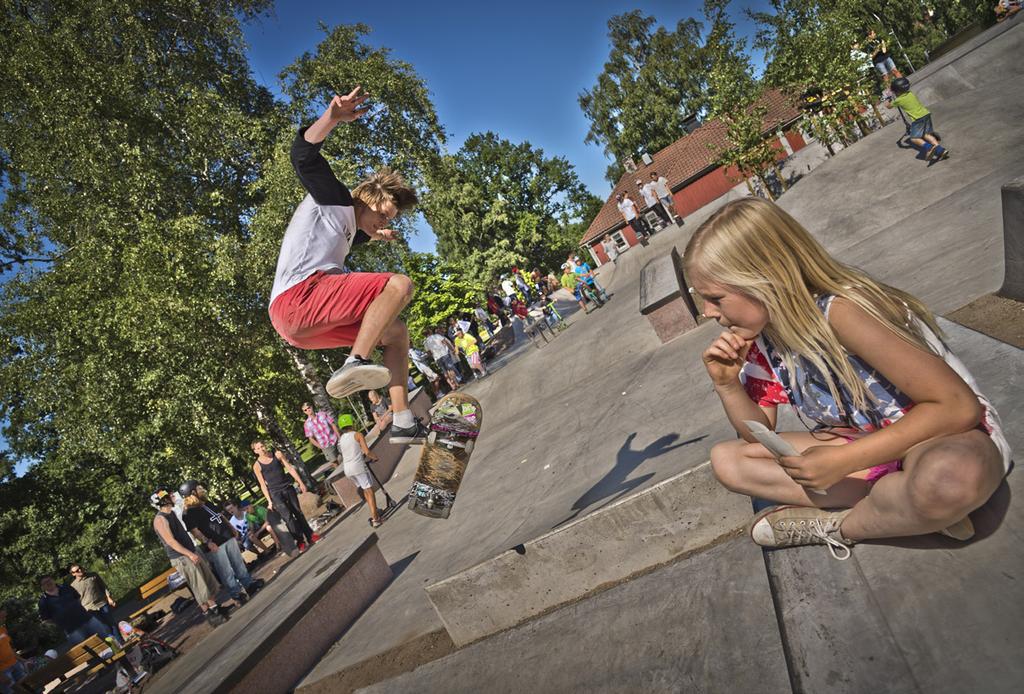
354	453
272	471
315	303
920	129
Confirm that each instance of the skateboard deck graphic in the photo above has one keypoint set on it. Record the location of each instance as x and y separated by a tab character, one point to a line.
455	426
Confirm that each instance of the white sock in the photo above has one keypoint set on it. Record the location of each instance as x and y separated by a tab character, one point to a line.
404	419
351	358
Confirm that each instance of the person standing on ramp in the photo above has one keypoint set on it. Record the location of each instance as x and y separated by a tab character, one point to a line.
315	303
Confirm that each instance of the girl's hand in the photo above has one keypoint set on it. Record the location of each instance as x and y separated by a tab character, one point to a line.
725	357
819	467
346	109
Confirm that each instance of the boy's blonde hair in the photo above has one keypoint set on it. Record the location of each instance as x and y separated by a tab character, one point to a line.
756	248
383	187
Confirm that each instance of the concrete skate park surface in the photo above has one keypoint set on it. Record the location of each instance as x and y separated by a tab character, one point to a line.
605	412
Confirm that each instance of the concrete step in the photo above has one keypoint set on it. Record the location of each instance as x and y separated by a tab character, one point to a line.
704	624
681	515
269	644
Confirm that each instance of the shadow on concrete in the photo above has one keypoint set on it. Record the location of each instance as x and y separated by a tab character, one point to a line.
402	564
986	519
614	483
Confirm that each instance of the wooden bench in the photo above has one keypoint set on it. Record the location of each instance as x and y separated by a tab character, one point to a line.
81	661
151	588
1013	239
664	297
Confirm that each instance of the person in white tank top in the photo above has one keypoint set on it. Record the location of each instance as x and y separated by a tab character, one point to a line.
354	454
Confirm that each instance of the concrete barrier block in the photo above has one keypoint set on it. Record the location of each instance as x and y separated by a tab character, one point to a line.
271	643
683	514
1013	239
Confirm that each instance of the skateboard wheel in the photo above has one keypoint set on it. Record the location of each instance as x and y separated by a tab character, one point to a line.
432	438
469	446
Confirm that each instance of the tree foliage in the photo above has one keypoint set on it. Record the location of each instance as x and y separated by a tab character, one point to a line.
131	137
735	98
495	204
652	82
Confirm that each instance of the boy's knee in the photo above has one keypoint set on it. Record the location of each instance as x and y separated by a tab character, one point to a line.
403	284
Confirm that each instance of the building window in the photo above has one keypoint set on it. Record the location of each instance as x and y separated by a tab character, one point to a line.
620	241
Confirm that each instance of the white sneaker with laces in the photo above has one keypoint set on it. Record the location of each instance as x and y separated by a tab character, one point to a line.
790	526
357	375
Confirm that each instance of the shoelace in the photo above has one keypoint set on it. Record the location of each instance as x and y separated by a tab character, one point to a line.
813	532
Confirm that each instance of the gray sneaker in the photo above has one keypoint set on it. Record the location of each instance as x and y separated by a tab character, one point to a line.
357	375
415	435
789	526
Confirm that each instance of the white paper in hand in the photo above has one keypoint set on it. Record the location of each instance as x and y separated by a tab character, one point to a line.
779	446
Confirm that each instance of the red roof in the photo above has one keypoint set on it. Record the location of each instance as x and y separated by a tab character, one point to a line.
683	160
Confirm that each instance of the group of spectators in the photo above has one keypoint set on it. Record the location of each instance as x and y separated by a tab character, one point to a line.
657	197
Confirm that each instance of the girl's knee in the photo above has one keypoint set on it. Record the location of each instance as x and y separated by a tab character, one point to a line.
725	463
954	478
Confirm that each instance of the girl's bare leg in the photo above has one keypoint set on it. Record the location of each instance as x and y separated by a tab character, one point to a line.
941	482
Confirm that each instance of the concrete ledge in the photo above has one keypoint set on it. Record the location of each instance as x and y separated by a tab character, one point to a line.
1013	239
685	513
269	645
664	297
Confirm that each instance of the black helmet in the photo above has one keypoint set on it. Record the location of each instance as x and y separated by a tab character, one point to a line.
188	488
901	85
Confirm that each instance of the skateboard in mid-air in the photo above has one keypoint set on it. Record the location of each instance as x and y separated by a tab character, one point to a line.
454	428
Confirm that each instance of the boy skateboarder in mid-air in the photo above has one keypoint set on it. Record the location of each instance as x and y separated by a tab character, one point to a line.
315	303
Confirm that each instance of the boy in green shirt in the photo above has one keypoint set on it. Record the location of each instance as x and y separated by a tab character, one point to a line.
920	129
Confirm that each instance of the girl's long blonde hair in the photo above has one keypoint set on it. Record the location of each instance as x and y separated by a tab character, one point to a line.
756	248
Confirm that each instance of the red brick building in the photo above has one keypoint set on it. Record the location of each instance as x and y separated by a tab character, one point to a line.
688	164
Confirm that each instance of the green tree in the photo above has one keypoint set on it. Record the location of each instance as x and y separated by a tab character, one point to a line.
131	135
496	204
652	82
735	99
441	292
811	44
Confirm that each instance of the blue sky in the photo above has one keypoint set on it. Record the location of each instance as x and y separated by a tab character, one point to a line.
513	68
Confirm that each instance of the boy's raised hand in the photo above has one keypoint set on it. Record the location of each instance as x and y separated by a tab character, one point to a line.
346	109
725	357
384	235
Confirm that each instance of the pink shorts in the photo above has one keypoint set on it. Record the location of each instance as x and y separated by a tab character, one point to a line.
326	309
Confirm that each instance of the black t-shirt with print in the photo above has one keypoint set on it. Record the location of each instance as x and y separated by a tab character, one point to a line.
209	520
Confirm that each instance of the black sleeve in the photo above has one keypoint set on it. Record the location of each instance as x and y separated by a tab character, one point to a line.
315	173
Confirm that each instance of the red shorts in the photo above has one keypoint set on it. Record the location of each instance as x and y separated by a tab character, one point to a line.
326	310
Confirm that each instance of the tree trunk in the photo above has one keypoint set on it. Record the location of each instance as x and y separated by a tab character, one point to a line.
750	187
767	188
311	377
878	114
778	175
266	418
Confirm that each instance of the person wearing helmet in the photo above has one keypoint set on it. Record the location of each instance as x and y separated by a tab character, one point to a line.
354	453
184	559
920	129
